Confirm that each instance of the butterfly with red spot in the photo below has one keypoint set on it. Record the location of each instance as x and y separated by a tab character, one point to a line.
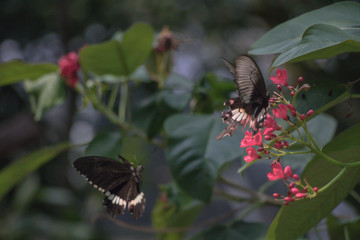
251	106
119	181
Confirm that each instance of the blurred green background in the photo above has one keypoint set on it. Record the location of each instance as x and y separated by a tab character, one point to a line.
54	202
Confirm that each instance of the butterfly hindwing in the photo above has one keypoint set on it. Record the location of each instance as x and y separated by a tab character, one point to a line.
252	104
119	181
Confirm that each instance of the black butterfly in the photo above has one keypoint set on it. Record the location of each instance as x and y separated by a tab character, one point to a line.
253	101
119	181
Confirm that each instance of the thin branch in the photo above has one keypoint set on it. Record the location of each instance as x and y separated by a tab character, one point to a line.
258	196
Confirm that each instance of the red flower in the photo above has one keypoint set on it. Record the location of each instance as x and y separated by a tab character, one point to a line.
252	154
270	125
277	172
280	78
69	65
249	140
280	112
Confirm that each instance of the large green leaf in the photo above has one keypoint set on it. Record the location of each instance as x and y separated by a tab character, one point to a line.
16	71
18	170
105	144
299	217
45	93
119	58
194	155
341	17
136	45
235	231
174	209
103	58
320	41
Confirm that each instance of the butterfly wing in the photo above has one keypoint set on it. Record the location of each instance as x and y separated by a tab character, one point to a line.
120	182
249	80
251	105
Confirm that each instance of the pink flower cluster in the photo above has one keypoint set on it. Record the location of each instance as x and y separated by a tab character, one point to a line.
280	111
296	190
69	66
250	141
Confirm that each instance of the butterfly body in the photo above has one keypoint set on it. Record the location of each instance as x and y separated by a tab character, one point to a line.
119	181
251	106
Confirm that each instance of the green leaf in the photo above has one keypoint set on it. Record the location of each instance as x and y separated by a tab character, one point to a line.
338	229
236	230
153	110
16	71
342	15
105	144
300	216
45	93
320	41
194	155
174	209
103	58
119	58
136	45
211	92
322	128
18	170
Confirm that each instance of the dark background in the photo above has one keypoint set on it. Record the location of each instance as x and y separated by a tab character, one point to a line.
54	203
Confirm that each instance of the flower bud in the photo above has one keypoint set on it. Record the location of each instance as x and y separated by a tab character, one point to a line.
295	177
291	107
288	199
316	189
279	87
302	117
293	113
268	138
300	79
292	93
295	190
291	88
276	195
300	195
310	112
288	172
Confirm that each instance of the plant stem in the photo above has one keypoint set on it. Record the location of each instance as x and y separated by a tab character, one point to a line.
335	179
123	101
98	105
261	197
113	95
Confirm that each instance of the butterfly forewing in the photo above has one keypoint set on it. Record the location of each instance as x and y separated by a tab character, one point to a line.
119	181
249	80
251	106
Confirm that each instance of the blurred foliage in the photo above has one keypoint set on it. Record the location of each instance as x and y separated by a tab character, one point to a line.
143	100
